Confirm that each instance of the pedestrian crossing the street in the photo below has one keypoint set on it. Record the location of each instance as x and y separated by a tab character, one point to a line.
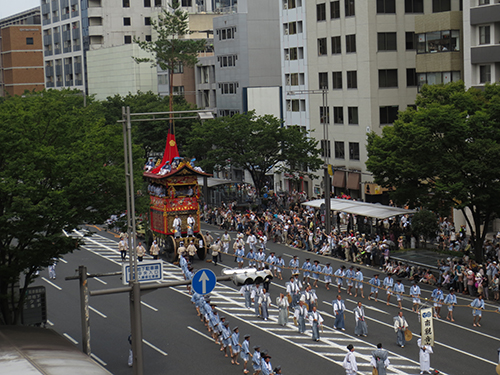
331	347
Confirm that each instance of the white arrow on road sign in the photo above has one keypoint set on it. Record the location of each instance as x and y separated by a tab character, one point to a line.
204	278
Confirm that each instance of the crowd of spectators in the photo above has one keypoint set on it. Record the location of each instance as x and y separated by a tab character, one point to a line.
368	241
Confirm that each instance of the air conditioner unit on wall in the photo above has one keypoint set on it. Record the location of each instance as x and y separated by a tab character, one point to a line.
287	56
286	31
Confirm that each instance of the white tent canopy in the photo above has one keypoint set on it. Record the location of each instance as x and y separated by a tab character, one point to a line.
376	210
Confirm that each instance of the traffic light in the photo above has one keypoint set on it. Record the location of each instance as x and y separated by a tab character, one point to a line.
246	276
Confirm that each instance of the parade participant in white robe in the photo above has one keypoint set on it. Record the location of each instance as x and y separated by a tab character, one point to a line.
380	360
415	294
280	263
176	226
375	283
328	272
264	304
451	301
388	284
252	242
478	305
300	316
282	303
361	329
294	265
424	357
349	274
292	290
246	291
350	365
255	295
400	326
226	240
338	311
399	290
340	273
358	285
316	320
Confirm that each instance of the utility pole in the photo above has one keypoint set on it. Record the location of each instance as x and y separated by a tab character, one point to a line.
326	151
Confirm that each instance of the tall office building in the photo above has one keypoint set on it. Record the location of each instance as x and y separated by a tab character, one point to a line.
73	29
481	20
21	56
364	55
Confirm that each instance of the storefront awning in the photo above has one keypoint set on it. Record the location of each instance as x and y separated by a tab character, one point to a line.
353	179
339	179
378	211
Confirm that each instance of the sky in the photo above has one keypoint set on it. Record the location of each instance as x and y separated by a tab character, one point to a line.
10	7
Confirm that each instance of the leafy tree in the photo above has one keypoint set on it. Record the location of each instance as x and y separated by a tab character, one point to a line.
150	135
445	154
171	47
254	143
60	166
424	223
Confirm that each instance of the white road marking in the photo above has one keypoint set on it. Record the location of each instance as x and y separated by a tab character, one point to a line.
149	306
201	333
369	307
96	358
98	279
50	323
288	255
97	312
62	260
154	347
51	283
70	338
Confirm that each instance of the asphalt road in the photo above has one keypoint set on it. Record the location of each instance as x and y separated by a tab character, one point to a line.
177	342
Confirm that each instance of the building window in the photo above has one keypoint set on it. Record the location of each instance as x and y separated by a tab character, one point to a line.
484	2
336	45
484	73
178	68
321	12
410	40
387	78
388	114
387	41
148	38
147	3
127	39
337	80
386	6
29	41
323	81
322	50
290	28
350	43
441	6
325	146
349	8
226	33
228	88
187	3
414	6
339	150
433	78
296	105
352	79
352	115
438	41
126	3
484	35
147	21
338	115
291	53
324	115
292	79
178	90
227	61
126	21
411	77
334	9
353	151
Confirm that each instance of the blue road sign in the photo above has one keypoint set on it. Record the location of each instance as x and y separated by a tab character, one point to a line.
204	281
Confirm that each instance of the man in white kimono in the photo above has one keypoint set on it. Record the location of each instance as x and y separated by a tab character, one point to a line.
349	364
300	315
424	357
316	320
361	329
400	326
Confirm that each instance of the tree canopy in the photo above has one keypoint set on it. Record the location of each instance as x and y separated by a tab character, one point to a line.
445	154
253	143
60	166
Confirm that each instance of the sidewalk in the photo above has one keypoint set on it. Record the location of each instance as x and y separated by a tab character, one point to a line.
423	258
